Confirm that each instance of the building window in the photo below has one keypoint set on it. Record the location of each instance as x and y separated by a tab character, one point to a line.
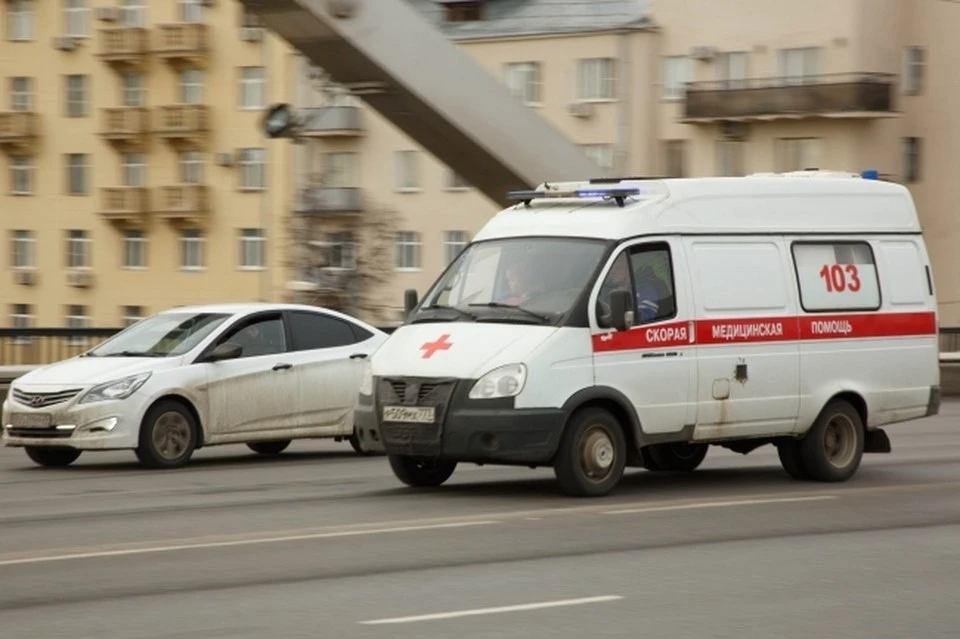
914	66
675	158
796	154
21	175
134	249
253	169
21	94
20	20
77	169
134	89
191	10
76	17
341	170
191	167
464	11
602	154
596	79
676	75
408	170
134	13
78	249
77	320
799	66
77	96
455	181
911	160
23	249
134	169
453	243
525	82
191	86
733	69
253	87
130	315
191	249
731	161
253	245
21	318
339	250
408	250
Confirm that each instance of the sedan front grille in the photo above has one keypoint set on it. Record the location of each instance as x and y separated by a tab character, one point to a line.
42	400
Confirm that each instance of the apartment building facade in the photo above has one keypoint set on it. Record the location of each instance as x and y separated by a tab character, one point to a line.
689	88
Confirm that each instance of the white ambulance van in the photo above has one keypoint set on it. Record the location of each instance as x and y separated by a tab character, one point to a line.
611	323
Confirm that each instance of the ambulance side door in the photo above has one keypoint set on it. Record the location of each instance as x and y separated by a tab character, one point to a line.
653	363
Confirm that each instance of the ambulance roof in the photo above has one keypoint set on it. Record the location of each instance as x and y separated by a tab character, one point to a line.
801	202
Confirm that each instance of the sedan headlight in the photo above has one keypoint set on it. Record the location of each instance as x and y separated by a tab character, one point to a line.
117	389
505	381
366	379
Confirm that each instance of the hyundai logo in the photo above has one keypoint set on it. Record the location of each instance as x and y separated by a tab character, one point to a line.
35	401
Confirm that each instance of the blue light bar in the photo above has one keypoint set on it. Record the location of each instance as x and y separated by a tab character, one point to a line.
616	193
870	174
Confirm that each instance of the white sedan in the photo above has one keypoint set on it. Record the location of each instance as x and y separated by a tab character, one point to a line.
257	374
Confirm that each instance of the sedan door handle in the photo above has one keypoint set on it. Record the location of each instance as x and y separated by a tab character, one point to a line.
359	356
282	367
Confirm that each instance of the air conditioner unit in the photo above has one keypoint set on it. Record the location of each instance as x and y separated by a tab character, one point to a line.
225	159
733	130
80	279
108	14
251	34
703	54
580	109
25	277
64	43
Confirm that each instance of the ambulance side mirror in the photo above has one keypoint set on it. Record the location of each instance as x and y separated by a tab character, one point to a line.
410	300
621	310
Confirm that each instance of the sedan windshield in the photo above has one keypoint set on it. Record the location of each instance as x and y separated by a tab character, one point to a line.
528	280
163	335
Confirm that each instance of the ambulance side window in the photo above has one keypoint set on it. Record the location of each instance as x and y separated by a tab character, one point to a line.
647	271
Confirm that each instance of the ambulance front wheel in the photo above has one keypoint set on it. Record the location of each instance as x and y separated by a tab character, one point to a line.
421	473
592	454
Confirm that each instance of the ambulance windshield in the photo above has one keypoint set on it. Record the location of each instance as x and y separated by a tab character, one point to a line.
530	280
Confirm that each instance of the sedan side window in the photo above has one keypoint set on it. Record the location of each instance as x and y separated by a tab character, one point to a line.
317	330
263	337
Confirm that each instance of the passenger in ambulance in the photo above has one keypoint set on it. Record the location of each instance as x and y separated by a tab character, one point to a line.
520	284
645	295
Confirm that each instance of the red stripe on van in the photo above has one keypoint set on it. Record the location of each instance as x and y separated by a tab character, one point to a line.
768	329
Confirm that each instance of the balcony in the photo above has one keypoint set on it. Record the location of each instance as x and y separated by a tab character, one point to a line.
320	200
184	43
124	46
124	203
333	121
183	202
184	122
854	95
125	125
18	129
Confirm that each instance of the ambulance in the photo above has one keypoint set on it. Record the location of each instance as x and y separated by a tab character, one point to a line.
597	325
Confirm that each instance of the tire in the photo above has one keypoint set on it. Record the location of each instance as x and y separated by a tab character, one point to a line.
168	435
269	448
679	457
789	454
833	448
52	456
354	440
421	473
592	454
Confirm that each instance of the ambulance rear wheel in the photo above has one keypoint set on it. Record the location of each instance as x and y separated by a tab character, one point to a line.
833	447
421	473
592	454
678	457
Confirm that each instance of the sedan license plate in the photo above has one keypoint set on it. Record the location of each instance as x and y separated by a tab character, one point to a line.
409	414
30	420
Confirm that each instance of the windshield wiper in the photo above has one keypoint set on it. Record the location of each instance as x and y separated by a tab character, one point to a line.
539	316
134	354
445	307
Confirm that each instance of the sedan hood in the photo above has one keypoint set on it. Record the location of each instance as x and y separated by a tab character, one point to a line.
88	371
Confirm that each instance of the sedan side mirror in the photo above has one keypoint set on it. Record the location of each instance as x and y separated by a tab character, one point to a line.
621	310
227	350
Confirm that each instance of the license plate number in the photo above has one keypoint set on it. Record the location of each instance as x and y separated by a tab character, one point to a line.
30	420
409	414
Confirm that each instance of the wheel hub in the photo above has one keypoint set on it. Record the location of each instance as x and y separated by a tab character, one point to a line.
598	453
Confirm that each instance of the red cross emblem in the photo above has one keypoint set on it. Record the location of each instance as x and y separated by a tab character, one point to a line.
429	348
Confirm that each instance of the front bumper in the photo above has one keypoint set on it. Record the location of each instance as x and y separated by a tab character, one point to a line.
484	431
100	426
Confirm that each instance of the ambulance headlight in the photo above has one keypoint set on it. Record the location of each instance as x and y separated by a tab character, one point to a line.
505	381
366	379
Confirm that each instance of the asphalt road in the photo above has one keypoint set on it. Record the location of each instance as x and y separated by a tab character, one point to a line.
321	543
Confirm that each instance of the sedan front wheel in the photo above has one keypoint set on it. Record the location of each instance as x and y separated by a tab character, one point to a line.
168	435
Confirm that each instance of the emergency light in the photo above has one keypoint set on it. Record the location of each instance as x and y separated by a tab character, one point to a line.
616	193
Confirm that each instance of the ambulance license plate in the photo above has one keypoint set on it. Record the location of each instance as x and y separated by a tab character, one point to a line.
30	420
409	414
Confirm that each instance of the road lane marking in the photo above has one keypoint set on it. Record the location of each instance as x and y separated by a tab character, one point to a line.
495	611
716	504
234	542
